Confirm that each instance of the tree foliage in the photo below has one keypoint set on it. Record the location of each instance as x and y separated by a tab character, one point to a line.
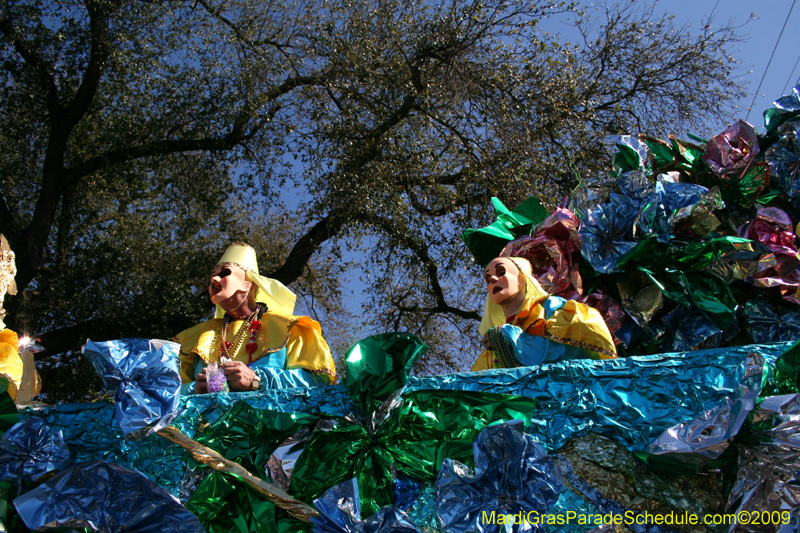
350	141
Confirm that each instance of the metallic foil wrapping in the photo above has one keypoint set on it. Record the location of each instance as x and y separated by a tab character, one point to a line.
786	108
378	366
707	436
428	427
104	497
607	234
340	512
144	377
732	150
783	158
29	450
225	504
553	250
486	243
249	436
513	476
765	324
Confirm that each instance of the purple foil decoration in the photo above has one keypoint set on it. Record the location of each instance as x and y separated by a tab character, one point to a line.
772	227
553	250
733	151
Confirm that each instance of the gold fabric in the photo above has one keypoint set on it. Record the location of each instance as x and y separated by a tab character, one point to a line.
268	291
574	323
10	361
302	337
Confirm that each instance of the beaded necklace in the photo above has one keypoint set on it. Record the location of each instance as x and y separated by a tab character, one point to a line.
228	350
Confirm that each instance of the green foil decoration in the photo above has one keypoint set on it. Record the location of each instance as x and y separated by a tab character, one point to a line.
379	365
248	435
224	504
487	243
8	409
414	440
785	375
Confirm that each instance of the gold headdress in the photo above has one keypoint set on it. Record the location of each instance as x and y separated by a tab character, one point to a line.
8	269
268	291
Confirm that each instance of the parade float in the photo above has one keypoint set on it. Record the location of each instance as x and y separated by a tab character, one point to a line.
689	251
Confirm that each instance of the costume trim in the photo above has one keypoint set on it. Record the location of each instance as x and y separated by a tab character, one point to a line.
10	382
578	344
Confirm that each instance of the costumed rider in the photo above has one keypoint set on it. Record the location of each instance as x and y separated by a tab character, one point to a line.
10	362
254	341
523	325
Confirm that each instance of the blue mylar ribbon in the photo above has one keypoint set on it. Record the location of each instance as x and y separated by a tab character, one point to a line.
144	374
340	512
104	497
29	450
513	476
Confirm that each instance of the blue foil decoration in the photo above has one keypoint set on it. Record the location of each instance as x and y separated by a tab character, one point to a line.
340	512
784	162
104	497
513	476
29	450
406	491
689	329
607	233
766	325
144	374
708	435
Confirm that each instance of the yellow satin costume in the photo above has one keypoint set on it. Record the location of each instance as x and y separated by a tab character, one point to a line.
300	335
573	323
10	361
305	349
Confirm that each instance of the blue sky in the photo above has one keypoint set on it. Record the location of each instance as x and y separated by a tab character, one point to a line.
761	24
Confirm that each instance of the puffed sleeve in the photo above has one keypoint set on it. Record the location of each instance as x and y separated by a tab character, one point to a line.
579	325
10	361
307	350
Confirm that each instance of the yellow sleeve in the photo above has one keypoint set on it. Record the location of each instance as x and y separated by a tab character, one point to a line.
307	349
10	361
197	341
579	325
187	367
485	361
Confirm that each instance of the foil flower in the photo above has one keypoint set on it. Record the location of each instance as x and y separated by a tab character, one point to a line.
514	478
732	156
486	243
689	329
553	250
144	375
607	233
772	227
733	150
786	108
104	497
340	512
29	450
783	158
764	324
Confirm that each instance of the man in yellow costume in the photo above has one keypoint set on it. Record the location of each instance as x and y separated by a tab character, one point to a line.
522	325
10	361
254	341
